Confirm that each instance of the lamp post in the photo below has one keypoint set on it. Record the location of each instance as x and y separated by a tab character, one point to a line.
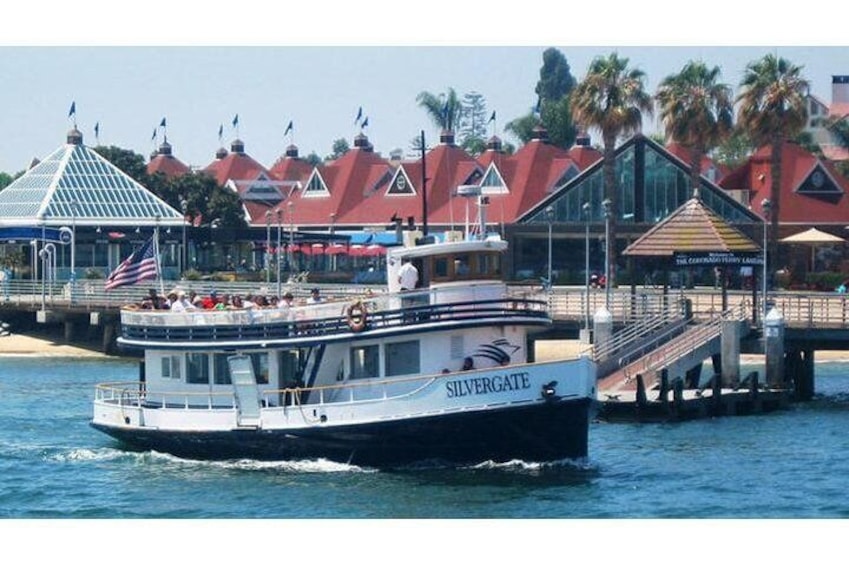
267	247
766	206
332	259
291	251
184	252
279	234
606	204
586	210
549	217
73	250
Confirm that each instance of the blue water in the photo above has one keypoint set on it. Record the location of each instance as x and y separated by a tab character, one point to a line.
790	464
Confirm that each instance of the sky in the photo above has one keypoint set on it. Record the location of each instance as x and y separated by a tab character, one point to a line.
199	71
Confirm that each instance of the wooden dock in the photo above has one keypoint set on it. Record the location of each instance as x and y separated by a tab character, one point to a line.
664	403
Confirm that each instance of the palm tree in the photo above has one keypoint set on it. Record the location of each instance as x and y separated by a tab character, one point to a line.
772	109
697	112
442	109
613	99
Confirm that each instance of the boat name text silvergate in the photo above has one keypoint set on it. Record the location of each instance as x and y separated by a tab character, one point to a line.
484	385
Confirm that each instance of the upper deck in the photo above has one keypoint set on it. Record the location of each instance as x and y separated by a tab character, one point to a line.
368	316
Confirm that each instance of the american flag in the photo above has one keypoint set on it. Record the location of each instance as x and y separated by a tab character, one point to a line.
139	266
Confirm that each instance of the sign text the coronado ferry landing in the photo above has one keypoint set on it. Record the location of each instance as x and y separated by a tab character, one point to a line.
487	385
717	258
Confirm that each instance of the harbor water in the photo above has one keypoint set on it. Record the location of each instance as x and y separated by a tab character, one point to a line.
792	464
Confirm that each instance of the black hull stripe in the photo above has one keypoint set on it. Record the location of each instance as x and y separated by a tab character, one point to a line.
542	432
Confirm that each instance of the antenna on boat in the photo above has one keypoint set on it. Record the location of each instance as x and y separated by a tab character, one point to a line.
483	202
468	191
424	188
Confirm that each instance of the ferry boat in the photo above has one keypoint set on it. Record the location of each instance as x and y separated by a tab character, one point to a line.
380	380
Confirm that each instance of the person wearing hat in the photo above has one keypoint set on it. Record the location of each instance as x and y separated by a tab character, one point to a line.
315	296
179	302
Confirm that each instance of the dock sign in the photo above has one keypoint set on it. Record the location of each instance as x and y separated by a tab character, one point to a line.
711	258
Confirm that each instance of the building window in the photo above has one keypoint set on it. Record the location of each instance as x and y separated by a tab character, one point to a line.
197	368
365	363
221	374
402	358
171	367
260	365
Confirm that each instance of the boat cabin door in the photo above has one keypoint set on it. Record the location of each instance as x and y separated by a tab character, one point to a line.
245	390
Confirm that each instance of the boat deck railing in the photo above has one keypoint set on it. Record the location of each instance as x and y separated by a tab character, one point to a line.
136	395
365	312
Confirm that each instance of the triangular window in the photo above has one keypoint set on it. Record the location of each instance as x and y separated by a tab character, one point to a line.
819	181
315	186
401	184
570	173
492	182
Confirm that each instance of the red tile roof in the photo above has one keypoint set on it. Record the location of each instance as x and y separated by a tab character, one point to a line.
164	162
350	181
683	153
797	165
235	165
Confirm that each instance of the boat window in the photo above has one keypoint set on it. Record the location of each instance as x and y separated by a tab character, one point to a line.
260	363
365	362
221	375
461	265
171	367
440	267
402	358
489	264
197	368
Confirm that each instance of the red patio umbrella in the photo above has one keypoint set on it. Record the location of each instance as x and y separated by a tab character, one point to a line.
374	250
357	250
317	249
335	249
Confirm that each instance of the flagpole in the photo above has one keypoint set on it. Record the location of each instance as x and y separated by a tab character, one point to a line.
156	257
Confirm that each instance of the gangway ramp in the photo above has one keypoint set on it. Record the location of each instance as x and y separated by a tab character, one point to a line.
678	355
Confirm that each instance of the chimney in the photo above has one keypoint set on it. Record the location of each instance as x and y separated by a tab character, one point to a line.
583	139
238	146
840	89
292	151
446	137
494	144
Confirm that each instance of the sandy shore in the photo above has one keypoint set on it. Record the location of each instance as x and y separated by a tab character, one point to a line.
19	344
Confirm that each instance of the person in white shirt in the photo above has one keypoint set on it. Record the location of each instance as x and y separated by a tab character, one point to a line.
315	296
179	302
408	275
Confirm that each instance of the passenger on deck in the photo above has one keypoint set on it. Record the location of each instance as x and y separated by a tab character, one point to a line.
315	296
468	364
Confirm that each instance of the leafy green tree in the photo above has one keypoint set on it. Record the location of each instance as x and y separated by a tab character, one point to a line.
473	120
5	180
443	109
203	195
612	98
340	147
697	112
128	161
553	110
772	109
522	128
313	159
555	76
734	151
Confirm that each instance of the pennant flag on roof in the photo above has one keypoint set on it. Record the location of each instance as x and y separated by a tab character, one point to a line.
236	120
153	137
73	110
97	131
162	123
365	122
288	128
359	115
140	265
220	132
492	117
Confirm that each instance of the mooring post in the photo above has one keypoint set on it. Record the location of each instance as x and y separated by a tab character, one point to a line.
730	353
641	393
602	327
774	348
677	397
